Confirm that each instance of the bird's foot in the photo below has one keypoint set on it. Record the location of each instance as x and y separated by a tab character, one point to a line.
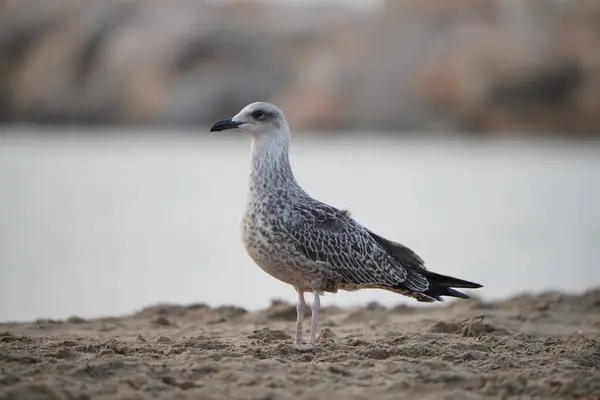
305	346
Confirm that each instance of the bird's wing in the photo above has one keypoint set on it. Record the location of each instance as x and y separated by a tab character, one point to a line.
401	253
326	234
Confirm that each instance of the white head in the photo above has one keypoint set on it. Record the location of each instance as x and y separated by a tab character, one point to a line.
259	119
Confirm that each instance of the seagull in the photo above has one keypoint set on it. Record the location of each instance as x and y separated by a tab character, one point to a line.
313	246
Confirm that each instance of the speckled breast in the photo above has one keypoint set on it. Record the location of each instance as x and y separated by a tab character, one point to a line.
270	250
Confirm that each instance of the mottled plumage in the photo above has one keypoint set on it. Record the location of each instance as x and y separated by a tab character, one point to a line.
311	245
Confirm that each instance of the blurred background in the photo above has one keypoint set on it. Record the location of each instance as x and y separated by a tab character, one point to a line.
465	129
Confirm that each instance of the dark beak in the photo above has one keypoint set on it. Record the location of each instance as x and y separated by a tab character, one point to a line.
224	124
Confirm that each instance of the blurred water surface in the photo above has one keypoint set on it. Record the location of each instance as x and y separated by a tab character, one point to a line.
109	223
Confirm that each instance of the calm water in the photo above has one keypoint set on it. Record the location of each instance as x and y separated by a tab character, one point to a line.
107	225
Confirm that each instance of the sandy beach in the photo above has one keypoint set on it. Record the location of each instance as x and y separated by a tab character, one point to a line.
530	346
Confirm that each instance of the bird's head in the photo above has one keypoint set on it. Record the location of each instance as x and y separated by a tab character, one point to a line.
258	119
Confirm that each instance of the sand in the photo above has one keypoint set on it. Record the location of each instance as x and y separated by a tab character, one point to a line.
530	346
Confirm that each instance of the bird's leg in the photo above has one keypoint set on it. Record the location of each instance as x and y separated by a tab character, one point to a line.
300	307
316	306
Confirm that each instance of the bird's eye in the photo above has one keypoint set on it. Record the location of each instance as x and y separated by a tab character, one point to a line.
258	114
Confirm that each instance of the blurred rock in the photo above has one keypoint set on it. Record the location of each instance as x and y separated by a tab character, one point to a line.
475	66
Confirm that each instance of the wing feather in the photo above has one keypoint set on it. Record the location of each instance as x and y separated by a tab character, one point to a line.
326	234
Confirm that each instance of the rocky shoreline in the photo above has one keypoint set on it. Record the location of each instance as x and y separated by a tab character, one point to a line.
468	66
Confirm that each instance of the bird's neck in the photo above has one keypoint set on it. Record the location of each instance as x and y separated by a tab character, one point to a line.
270	168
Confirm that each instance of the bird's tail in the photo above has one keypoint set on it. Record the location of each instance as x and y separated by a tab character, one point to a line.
442	285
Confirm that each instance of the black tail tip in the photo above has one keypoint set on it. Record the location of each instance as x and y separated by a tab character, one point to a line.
438	292
442	285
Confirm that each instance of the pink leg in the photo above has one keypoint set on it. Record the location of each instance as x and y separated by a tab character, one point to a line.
300	307
316	306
